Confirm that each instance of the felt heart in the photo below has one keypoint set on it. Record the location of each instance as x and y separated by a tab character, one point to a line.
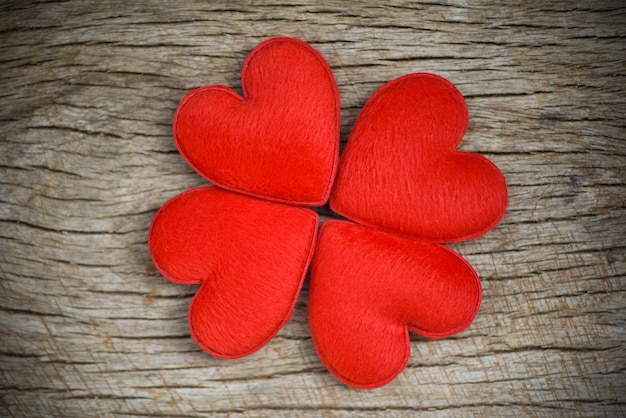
250	257
369	288
400	170
280	140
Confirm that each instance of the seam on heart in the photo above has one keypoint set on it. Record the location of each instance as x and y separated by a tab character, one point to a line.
331	80
472	279
266	195
151	244
423	95
180	144
470	318
470	236
286	316
336	373
361	385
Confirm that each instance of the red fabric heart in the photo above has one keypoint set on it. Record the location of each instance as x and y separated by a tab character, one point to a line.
400	170
369	288
400	173
250	257
280	140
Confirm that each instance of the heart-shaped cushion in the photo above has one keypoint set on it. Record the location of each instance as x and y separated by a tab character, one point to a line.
400	170
280	140
250	257
369	288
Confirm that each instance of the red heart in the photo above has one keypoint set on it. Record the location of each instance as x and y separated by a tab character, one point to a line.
250	257
400	170
280	140
369	288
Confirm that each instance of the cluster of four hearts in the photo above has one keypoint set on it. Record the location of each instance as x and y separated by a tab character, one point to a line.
249	240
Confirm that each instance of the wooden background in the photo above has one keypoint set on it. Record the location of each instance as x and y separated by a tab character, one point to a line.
88	91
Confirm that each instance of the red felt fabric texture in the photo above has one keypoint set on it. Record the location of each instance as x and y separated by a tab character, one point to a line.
369	288
400	179
408	188
250	257
400	170
280	140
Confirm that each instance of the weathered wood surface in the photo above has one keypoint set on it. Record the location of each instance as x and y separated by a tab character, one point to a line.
89	328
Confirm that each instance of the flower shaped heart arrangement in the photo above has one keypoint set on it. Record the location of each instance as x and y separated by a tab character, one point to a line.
248	241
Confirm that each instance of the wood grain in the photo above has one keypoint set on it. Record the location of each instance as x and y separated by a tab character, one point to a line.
89	328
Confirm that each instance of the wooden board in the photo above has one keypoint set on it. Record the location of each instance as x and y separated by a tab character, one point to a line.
89	328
